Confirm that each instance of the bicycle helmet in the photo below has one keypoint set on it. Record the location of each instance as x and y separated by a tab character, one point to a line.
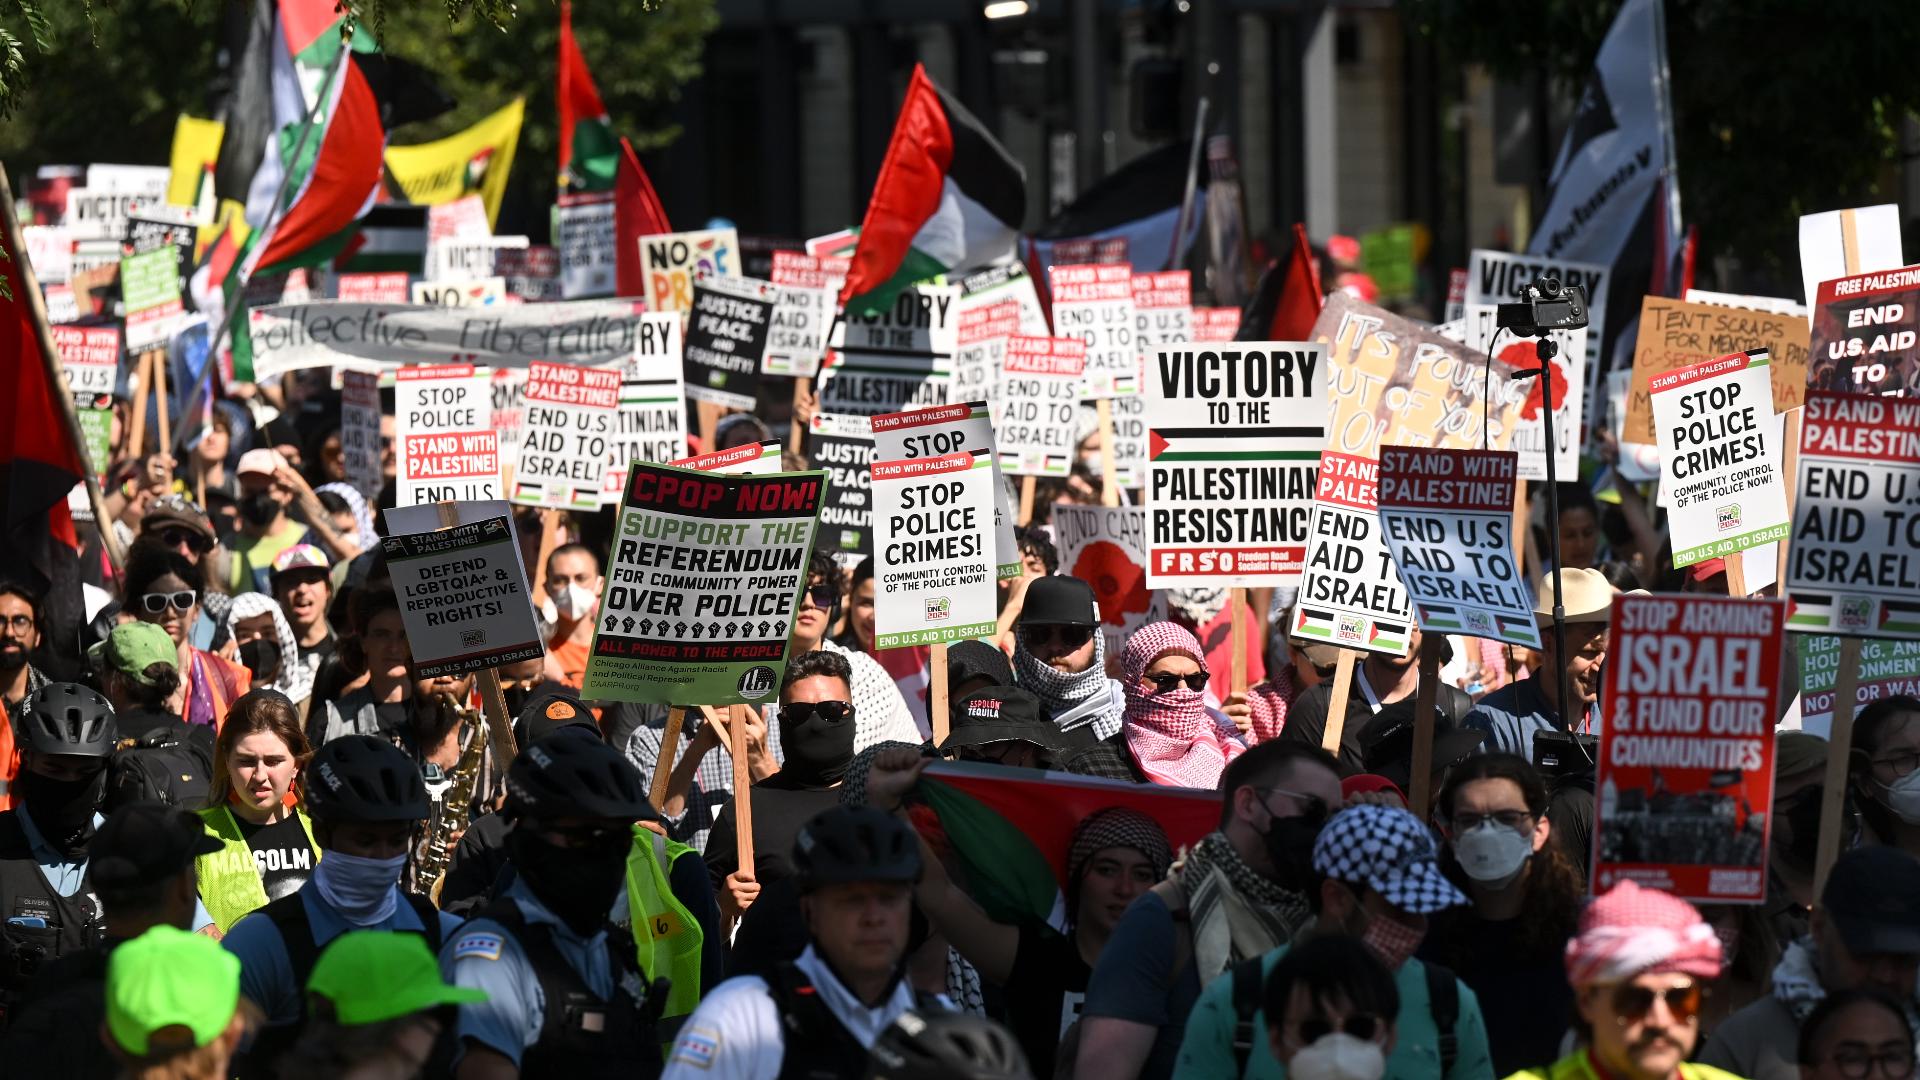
571	773
70	719
366	779
946	1046
855	844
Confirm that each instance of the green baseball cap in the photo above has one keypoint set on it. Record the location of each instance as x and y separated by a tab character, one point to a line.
372	975
168	979
132	648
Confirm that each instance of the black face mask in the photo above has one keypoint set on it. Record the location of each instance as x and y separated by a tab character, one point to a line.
1796	828
817	751
1289	843
262	657
516	697
62	809
260	508
577	884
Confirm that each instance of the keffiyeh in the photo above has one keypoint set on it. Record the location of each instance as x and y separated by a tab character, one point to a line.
1076	699
1172	736
1633	931
362	515
294	679
1236	913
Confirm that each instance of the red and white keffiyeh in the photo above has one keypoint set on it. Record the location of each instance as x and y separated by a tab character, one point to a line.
1172	736
1632	931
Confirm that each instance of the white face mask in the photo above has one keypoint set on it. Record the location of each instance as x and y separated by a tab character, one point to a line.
1903	797
574	602
1339	1056
1492	853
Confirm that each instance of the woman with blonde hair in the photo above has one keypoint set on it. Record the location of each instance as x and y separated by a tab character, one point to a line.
267	847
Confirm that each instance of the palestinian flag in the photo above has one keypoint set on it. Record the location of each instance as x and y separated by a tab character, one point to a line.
1288	298
636	212
1010	829
588	154
949	198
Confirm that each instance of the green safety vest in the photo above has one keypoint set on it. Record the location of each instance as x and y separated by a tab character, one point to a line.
665	933
230	884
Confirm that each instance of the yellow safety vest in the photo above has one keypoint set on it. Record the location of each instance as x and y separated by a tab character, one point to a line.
665	934
230	884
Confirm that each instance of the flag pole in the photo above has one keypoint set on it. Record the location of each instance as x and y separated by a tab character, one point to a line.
1193	180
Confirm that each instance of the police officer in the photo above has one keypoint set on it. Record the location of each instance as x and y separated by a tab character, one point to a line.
818	1015
566	994
366	798
67	733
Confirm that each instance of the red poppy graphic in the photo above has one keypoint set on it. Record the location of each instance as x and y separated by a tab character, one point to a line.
1520	355
1119	583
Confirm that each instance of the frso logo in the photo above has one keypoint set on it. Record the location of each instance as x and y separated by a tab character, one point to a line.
756	682
1727	517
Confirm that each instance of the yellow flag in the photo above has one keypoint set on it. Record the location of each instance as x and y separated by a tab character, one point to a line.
196	146
477	159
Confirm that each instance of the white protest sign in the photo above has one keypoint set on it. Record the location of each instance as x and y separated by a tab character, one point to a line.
982	348
1447	516
333	333
50	250
464	218
727	335
1568	373
896	359
1095	304
62	307
669	263
748	459
463	598
566	439
809	292
360	431
843	446
1162	309
509	387
1869	234
90	356
1039	404
479	292
1719	457
466	259
585	237
1351	595
1106	547
448	451
934	571
101	209
999	284
1235	434
1215	323
652	422
947	429
383	287
1496	277
1853	567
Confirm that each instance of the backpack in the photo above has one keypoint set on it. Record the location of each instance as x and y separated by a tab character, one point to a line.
1443	1001
160	766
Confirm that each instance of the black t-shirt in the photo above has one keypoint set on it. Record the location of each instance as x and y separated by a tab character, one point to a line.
315	656
281	852
779	810
1044	993
1523	992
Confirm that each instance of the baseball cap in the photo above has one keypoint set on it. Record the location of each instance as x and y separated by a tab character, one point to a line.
1059	600
300	557
1873	898
1796	752
262	461
168	990
371	976
1001	714
1390	852
548	712
132	648
1589	595
1705	569
176	510
144	843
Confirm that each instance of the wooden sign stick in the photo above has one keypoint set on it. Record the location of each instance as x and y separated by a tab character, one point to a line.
937	709
1109	490
1026	500
137	437
1789	468
1846	687
1520	517
742	793
1737	575
549	539
1237	640
1421	782
663	761
1341	690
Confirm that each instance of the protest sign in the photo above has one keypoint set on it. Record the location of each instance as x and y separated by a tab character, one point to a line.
360	449
705	574
1866	334
669	263
1106	547
1675	334
448	450
1447	516
567	436
750	459
1100	250
1569	385
727	336
585	237
50	251
62	307
1774	304
464	218
89	255
652	422
896	359
982	348
332	333
266	290
1095	304
1456	308
1215	323
463	598
798	339
1129	431
479	292
1886	668
384	287
934	569
466	259
509	387
532	273
1039	404
1351	594
1163	315
1497	277
1684	792
1235	433
843	446
1836	243
946	429
101	209
150	288
1720	457
1854	564
801	271
90	355
155	227
999	284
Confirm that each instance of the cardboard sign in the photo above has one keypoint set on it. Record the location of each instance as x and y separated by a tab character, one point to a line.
1684	794
585	237
1447	517
1886	668
705	574
90	356
385	287
652	422
1866	334
727	334
1720	457
1039	404
751	459
1351	594
934	569
335	334
1854	565
479	292
449	451
1095	304
1235	433
946	429
669	263
360	449
1106	547
1496	277
466	259
565	444
1569	378
463	598
1675	334
843	446
150	287
897	359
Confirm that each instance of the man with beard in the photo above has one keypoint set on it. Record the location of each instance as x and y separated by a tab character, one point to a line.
265	528
1061	658
448	741
1380	682
19	637
1513	714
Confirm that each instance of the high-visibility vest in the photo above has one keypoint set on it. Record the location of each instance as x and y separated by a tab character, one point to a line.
230	884
665	933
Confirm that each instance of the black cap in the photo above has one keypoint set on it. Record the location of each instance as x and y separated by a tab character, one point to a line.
548	712
1059	601
144	843
1001	714
1873	899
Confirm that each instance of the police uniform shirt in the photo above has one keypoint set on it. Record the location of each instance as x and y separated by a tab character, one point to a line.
65	876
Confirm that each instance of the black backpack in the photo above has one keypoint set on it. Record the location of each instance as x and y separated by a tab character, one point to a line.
160	766
1443	1001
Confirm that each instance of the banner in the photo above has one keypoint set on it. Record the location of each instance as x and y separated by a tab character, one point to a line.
360	449
1039	412
585	237
1720	457
565	443
1351	594
476	160
669	263
90	355
1095	304
1568	373
1854	564
843	446
1866	334
1886	668
934	571
289	337
479	292
652	422
705	574
1684	793
1106	547
1447	517
449	451
1235	433
727	336
385	287
1495	277
150	288
1675	334
897	359
463	598
947	429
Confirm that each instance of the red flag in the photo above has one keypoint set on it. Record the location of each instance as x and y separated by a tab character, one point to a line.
39	463
636	213
586	135
1300	295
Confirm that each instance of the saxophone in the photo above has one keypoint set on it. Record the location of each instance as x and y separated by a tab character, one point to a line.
452	805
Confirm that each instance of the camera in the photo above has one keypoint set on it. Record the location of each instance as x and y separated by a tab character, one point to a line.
1549	305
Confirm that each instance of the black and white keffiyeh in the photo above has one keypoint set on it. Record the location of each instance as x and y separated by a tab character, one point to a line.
1076	699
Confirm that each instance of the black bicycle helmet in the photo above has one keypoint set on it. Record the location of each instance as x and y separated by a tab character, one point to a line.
855	844
366	779
946	1046
571	773
70	719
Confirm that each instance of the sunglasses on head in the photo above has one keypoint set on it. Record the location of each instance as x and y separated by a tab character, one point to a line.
1361	1026
821	596
1195	680
1632	1003
1071	636
154	603
831	711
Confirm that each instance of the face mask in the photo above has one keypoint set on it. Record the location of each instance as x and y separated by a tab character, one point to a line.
1903	797
62	809
1391	941
262	657
818	751
1092	462
260	508
1796	829
516	700
360	889
578	885
1492	854
573	601
1289	843
1339	1056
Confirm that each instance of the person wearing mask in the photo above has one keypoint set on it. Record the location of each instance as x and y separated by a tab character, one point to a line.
1866	935
884	716
1241	892
302	586
573	584
1380	682
366	799
1173	738
266	848
1513	714
350	515
377	1007
1331	1007
268	648
1525	896
1061	658
163	588
1857	1033
818	1014
173	1005
1884	772
266	530
1380	879
140	864
447	740
565	993
179	525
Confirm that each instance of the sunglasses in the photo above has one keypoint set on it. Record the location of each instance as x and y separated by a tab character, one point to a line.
154	603
1632	1003
1195	680
1362	1026
1070	636
1315	810
831	711
1857	1062
1516	820
192	540
821	596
